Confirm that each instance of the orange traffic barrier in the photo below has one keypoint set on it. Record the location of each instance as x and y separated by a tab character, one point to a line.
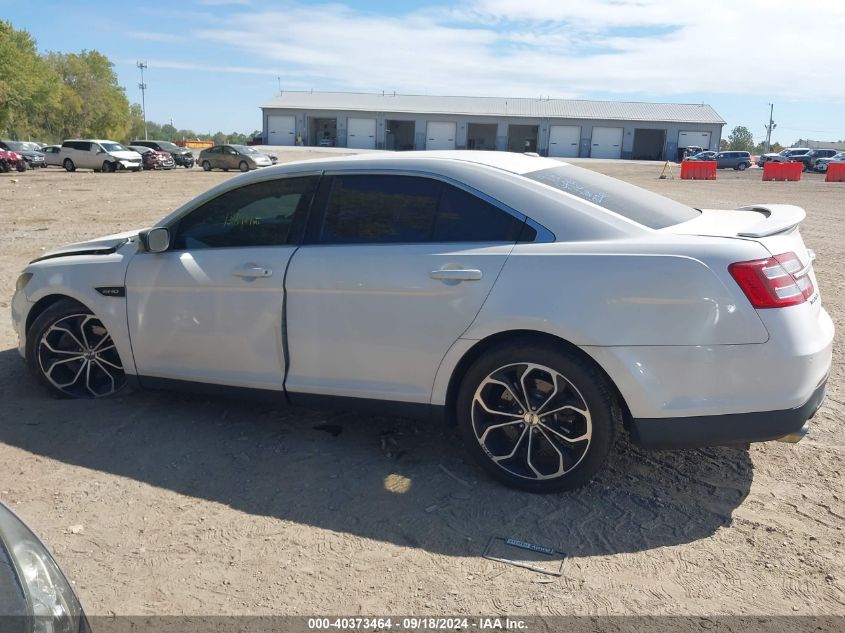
782	171
698	170
835	172
197	144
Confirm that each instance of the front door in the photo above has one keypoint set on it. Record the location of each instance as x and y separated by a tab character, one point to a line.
210	308
393	271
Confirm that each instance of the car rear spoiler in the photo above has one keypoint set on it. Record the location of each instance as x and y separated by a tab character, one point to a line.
780	218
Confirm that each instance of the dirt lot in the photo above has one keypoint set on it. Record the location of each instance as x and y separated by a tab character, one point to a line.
192	505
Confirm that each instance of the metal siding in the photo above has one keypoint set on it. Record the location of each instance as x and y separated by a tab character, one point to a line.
498	107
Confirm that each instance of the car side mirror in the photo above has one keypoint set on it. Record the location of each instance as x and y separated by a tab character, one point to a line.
155	240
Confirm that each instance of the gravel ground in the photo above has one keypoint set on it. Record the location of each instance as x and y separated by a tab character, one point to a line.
172	504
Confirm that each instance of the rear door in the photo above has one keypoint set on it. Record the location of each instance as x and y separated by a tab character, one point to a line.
393	270
210	308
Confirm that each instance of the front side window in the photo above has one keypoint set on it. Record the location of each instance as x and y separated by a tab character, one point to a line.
259	214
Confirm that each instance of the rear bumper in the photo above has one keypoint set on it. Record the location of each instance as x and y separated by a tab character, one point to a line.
723	430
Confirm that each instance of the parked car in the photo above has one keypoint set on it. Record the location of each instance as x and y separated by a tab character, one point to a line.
733	160
822	163
228	157
153	159
704	155
325	142
537	304
30	152
11	161
182	156
99	155
34	593
784	156
52	156
809	159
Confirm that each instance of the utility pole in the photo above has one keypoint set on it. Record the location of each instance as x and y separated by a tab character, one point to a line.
771	126
143	87
172	129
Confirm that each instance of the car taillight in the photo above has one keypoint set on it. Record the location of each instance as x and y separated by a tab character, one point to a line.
776	282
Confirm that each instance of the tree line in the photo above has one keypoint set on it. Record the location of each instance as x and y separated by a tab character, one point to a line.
54	96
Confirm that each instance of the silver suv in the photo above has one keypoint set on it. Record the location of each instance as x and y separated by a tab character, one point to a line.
733	160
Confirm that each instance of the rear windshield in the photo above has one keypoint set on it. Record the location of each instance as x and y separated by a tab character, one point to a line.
637	204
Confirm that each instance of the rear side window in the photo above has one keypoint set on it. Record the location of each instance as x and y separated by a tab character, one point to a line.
388	209
260	214
629	201
380	209
464	217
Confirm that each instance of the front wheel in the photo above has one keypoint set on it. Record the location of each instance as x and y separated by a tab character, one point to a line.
537	418
108	167
206	165
742	166
243	166
71	353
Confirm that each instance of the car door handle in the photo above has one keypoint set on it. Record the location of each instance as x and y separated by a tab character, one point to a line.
459	274
251	270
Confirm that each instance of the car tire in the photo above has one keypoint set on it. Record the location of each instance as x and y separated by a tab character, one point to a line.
528	449
108	168
68	165
71	353
206	165
742	166
243	166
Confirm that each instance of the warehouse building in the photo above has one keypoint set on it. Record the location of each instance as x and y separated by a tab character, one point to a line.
550	127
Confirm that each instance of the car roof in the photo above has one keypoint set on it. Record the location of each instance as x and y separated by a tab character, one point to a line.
513	162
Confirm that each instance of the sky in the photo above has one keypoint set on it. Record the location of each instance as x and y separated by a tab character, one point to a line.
211	63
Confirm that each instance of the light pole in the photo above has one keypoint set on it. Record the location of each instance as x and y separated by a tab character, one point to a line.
143	87
771	126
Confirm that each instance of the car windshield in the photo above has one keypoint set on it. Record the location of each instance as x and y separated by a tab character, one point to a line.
113	147
632	202
16	146
245	149
168	146
839	156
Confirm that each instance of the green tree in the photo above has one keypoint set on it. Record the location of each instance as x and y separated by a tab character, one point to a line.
741	138
102	110
26	84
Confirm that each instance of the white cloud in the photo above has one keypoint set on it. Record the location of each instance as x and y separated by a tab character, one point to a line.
551	47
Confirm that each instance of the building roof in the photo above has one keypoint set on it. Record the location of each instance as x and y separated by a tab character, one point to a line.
497	106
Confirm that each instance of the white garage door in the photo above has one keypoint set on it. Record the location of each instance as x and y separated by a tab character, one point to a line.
361	133
281	130
606	142
687	138
440	135
564	140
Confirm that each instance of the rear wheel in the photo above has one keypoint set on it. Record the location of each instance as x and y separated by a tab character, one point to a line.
537	418
206	165
68	165
72	354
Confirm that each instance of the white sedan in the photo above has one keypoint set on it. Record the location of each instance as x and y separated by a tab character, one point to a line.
539	305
